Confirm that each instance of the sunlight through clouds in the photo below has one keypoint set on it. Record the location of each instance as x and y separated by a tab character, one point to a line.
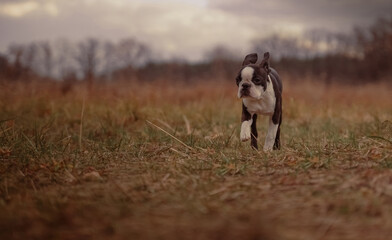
180	28
51	8
18	9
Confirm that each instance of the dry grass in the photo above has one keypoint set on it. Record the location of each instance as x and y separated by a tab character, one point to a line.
81	165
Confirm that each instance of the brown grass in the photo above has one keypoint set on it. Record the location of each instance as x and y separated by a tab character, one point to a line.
186	175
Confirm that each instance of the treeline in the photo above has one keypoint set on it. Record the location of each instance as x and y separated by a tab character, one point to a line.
361	56
88	60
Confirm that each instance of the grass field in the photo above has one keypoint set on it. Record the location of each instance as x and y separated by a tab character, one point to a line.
165	162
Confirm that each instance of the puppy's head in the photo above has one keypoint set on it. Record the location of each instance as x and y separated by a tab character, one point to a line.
252	78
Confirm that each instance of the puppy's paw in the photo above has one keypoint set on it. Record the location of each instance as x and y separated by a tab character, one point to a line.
267	148
269	144
245	134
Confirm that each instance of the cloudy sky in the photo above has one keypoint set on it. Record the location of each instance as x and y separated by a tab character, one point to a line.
181	28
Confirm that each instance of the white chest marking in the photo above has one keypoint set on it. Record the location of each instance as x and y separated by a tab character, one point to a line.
264	104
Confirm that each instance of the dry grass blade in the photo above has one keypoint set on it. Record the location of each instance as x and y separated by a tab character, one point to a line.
163	130
187	125
81	125
166	125
180	153
380	138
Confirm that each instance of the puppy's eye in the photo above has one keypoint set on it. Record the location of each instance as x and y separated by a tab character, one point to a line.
256	80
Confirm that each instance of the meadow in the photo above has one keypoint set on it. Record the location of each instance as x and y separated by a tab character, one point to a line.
164	161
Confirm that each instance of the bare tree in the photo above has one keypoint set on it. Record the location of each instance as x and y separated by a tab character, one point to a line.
15	52
376	46
64	63
88	59
15	56
47	58
132	53
223	60
123	57
280	46
219	53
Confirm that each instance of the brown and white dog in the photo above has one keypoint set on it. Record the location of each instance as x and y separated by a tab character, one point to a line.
260	88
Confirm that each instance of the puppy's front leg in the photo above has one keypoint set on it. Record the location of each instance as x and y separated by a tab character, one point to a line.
270	138
253	142
246	120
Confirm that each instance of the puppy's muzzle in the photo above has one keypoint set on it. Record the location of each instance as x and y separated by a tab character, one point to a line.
245	89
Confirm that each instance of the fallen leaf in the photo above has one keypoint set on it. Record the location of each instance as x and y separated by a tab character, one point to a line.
92	176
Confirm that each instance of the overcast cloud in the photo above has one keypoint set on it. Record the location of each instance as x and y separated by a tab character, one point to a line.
182	29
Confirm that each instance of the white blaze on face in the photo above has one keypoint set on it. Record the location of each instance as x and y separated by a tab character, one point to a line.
247	73
246	77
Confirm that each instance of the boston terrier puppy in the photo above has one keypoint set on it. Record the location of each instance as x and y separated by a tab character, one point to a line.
260	88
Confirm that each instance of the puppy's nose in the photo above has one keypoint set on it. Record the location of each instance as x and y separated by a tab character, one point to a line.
245	85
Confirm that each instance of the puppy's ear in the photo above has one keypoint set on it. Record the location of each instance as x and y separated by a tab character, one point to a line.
265	62
250	58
